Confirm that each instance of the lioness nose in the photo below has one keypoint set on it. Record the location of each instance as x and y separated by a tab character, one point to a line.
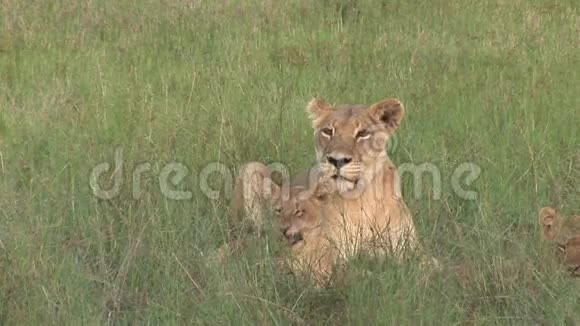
338	162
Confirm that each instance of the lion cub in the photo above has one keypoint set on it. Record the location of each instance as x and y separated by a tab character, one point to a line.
313	239
565	233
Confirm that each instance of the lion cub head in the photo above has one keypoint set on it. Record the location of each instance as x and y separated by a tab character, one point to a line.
353	138
307	232
300	216
565	233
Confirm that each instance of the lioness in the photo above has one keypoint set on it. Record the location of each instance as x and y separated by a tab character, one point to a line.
565	233
352	139
367	214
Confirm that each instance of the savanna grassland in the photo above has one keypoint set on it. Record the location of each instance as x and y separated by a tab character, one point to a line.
491	83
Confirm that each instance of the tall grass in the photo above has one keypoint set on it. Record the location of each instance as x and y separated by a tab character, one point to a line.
492	83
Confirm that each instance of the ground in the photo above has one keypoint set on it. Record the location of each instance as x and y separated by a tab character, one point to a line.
211	85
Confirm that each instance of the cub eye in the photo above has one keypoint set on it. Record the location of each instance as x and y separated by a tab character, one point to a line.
277	210
299	212
363	134
562	248
328	132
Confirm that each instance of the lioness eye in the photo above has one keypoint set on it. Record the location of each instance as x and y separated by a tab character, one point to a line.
327	132
363	134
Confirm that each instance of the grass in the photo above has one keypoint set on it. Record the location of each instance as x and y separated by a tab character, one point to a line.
492	83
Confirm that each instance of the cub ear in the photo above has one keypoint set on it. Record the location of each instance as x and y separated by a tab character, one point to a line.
275	189
279	186
318	109
389	111
548	218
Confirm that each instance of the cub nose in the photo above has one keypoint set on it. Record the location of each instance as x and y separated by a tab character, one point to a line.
294	238
338	162
291	237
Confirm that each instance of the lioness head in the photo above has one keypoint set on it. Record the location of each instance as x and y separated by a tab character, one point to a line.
353	138
565	233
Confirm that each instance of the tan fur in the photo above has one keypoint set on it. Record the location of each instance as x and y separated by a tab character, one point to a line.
312	238
372	213
257	188
564	233
299	214
362	210
254	192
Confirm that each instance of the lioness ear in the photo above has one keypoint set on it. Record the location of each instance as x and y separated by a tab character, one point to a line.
547	216
390	112
548	219
318	109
